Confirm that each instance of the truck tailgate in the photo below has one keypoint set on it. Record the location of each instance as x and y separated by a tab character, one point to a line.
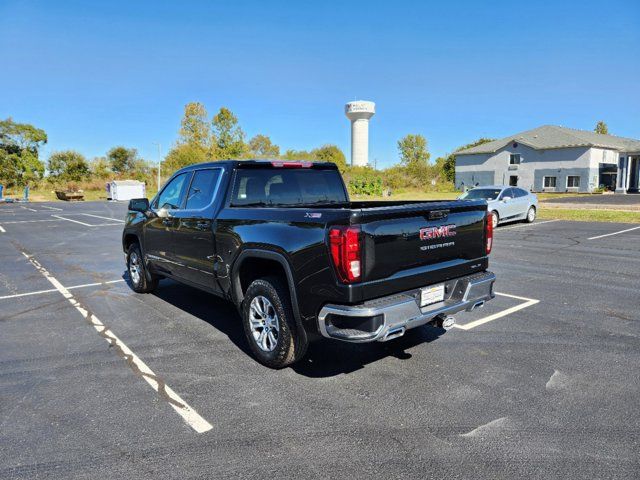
421	243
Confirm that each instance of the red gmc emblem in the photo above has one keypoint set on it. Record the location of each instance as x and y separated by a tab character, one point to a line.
429	233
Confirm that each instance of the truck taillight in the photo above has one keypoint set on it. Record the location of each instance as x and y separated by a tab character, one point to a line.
344	242
488	232
292	164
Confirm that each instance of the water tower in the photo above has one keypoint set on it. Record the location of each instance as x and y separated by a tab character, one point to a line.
359	112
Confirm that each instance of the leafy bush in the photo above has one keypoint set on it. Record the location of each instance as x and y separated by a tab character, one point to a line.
363	181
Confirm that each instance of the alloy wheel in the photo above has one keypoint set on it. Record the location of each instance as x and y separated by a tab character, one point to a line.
135	270
264	324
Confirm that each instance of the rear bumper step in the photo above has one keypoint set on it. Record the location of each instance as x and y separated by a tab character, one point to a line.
389	317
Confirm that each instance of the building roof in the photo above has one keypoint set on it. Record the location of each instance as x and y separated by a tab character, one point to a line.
552	136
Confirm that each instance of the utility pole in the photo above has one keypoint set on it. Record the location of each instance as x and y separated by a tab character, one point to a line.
159	162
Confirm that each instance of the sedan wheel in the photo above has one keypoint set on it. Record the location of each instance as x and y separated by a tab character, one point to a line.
531	214
494	219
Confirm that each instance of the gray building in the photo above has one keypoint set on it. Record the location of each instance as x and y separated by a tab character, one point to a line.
553	159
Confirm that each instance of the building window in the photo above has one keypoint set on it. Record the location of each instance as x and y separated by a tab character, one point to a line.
573	181
549	182
514	159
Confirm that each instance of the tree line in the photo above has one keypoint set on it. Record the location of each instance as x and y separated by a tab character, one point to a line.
202	138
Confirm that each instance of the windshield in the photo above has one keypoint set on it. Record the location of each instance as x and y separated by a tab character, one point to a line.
287	187
481	194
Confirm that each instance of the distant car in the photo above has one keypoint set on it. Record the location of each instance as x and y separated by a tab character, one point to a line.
506	204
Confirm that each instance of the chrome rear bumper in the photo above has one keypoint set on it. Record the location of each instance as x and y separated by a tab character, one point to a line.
389	317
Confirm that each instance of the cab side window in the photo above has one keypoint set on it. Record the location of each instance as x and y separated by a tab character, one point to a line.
202	188
171	196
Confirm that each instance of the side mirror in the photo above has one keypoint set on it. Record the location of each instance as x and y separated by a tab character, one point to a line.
139	205
506	199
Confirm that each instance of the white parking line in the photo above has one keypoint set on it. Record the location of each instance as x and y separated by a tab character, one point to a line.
88	224
524	225
51	208
2	230
614	233
188	414
38	292
528	302
29	221
27	208
74	221
106	218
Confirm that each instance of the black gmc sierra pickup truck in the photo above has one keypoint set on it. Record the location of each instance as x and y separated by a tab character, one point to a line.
301	261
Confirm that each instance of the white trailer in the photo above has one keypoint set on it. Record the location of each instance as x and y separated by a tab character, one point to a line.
125	190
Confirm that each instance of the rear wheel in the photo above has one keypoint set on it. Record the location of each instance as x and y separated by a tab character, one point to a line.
495	219
531	214
269	324
142	280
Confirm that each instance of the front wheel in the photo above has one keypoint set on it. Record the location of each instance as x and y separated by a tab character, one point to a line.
531	214
269	324
142	280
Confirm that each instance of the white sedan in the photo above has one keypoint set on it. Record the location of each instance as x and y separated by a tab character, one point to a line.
506	204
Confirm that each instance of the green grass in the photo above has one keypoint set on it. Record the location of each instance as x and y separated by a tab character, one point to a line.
410	195
583	215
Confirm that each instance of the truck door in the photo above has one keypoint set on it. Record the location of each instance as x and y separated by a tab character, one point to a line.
158	238
193	234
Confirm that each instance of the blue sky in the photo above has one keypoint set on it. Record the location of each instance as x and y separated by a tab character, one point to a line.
99	74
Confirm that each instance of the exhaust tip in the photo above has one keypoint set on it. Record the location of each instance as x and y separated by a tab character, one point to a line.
447	322
479	304
394	333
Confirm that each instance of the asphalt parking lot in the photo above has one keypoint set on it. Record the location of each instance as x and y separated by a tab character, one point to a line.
99	382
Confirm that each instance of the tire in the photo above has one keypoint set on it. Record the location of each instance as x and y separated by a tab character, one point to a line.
267	308
495	218
142	280
531	214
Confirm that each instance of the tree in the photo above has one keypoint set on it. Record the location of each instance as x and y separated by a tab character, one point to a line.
19	148
447	165
298	155
124	160
194	127
68	165
99	168
414	155
227	137
261	146
330	153
601	128
183	155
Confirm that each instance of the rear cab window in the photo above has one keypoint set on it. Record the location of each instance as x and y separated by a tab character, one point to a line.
203	188
291	187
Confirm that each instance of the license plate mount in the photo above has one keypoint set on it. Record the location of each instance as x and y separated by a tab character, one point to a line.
431	295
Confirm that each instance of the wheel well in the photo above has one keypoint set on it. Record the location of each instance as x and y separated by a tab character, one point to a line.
253	268
495	212
129	239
